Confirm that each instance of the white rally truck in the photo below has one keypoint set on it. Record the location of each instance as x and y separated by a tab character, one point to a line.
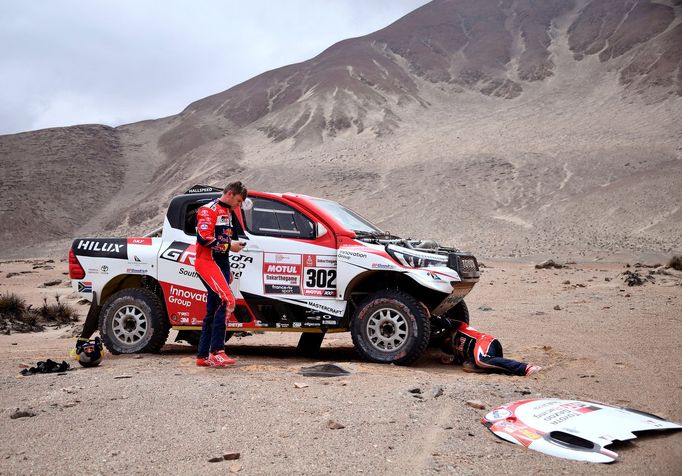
310	265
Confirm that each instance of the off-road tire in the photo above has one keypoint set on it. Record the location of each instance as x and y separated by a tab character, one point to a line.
460	312
391	327
133	321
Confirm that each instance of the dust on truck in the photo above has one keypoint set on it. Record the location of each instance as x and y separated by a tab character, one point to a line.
310	265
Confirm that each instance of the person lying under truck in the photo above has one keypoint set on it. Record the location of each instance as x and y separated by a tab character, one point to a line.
479	352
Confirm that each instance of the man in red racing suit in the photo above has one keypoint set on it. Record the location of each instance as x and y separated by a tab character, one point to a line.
212	264
479	352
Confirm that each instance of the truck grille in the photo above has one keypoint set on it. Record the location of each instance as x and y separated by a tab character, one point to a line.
465	265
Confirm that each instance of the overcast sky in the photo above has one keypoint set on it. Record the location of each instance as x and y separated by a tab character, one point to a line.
114	62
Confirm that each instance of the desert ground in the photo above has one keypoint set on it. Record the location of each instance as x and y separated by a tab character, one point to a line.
595	337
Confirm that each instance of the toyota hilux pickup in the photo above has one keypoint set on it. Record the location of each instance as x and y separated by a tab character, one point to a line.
310	265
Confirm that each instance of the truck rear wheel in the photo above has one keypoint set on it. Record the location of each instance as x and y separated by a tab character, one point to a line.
391	327
132	321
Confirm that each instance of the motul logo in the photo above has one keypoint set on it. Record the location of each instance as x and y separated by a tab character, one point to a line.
282	269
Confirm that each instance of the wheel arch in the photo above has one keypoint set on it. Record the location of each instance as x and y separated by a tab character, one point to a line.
127	281
370	282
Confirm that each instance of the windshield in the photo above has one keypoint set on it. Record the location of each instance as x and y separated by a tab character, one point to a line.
348	218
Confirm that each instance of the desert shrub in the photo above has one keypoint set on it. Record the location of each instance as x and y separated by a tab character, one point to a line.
676	263
11	306
15	315
58	313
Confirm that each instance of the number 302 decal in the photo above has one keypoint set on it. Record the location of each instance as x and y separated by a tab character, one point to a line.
320	278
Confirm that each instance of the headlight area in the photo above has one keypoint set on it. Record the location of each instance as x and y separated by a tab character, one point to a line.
415	259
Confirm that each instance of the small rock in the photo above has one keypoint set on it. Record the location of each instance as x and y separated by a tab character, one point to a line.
232	456
436	392
334	425
557	308
300	385
476	404
235	468
415	390
215	460
566	282
22	414
548	264
138	356
52	282
485	308
10	275
540	313
607	279
122	376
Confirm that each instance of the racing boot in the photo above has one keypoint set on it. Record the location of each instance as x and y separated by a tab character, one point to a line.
203	362
220	359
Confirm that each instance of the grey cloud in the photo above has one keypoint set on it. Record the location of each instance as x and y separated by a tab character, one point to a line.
78	61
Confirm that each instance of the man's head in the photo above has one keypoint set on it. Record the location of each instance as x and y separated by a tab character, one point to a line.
234	194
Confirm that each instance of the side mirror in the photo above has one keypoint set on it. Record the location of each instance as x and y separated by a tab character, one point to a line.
320	230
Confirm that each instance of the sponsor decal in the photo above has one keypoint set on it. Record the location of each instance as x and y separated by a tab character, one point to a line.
84	286
498	414
203	226
324	308
345	254
235	324
223	220
276	258
319	274
140	241
184	303
185	296
180	253
281	289
104	269
329	322
103	248
188	272
201	189
383	266
136	271
281	273
282	269
311	324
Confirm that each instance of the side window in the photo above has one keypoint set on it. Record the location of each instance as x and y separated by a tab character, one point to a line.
191	209
272	218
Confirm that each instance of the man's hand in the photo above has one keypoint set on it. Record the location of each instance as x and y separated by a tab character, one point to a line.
237	246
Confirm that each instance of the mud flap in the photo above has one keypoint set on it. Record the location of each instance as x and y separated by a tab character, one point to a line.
92	319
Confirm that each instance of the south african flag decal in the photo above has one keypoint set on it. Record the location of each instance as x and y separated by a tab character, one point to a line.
84	286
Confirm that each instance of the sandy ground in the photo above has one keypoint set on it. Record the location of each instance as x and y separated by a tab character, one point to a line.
154	414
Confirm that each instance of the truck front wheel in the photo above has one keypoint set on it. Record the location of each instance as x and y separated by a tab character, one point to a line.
132	321
391	327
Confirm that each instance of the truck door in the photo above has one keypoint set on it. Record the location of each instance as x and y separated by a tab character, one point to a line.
292	276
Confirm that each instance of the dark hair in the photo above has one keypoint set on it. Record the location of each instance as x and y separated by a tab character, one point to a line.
237	188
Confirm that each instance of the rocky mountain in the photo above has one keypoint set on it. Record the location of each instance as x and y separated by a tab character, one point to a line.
511	127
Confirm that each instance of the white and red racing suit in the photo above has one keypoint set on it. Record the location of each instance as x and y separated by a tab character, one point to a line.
214	235
483	350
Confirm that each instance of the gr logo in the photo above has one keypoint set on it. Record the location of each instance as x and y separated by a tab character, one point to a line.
180	253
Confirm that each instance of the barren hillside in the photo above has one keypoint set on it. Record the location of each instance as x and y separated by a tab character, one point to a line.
510	128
